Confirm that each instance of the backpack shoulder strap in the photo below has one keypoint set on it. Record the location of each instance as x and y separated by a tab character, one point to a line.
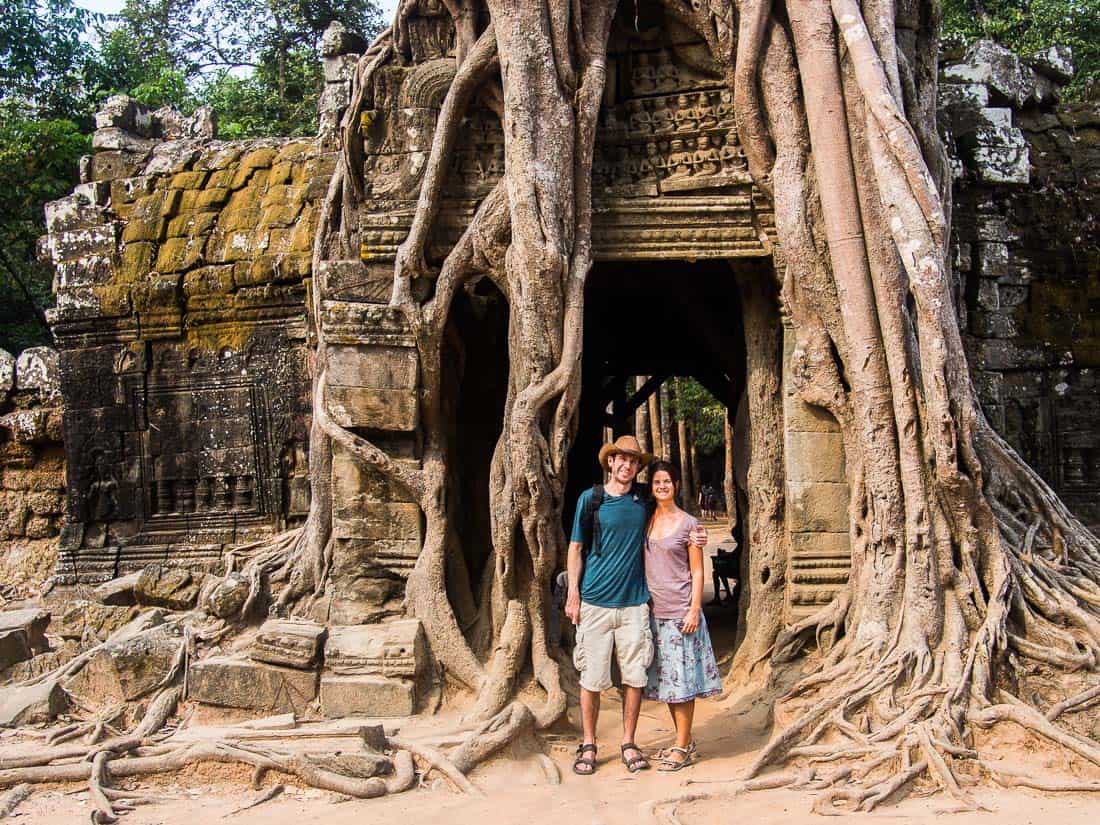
591	518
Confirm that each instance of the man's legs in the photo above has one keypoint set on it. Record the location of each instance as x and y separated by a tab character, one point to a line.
634	646
592	658
590	714
632	707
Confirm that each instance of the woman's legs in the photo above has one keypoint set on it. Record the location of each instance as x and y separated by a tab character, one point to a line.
683	714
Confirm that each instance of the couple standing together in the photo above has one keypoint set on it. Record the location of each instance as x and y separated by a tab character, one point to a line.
626	551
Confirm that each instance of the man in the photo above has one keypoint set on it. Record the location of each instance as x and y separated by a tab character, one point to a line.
608	599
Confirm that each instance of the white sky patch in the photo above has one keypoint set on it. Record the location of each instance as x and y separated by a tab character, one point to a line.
114	6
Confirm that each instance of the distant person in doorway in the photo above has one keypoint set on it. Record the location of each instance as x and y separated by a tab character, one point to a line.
684	668
608	599
723	567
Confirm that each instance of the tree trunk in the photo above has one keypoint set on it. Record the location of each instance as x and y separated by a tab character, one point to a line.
666	422
641	416
695	467
687	483
729	482
655	428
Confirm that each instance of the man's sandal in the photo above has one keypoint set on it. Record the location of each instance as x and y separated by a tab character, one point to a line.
588	762
634	763
669	764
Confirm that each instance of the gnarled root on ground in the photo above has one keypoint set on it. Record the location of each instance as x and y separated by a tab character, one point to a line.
150	748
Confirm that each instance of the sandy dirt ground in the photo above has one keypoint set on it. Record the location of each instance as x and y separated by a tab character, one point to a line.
517	790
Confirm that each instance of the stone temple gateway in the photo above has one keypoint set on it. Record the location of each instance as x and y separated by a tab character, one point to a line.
184	265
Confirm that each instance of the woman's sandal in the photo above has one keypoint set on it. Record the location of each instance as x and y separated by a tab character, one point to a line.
589	761
634	763
668	764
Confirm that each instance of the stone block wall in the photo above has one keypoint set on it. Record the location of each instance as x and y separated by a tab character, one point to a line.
32	469
817	499
1027	255
181	268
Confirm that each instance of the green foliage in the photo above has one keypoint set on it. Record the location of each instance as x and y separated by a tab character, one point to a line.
264	103
695	404
38	160
122	65
1027	26
42	54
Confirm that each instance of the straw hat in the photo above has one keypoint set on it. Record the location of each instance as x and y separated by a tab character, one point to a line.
624	445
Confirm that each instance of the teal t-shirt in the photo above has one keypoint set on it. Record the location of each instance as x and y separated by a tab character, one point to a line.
614	574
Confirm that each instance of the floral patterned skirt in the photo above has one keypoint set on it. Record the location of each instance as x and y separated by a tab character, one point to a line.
683	666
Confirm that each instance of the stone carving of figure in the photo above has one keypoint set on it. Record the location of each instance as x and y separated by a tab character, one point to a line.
103	490
705	112
639	118
628	170
613	124
733	159
668	76
661	118
685	114
679	161
657	160
644	77
725	109
705	159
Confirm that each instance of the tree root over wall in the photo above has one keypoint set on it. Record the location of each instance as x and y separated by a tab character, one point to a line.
971	586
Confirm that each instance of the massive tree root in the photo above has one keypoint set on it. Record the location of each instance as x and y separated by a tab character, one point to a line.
971	585
531	237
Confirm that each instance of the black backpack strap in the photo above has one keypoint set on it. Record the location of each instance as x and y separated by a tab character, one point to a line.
590	519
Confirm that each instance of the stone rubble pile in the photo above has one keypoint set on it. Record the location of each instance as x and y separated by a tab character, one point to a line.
133	649
978	95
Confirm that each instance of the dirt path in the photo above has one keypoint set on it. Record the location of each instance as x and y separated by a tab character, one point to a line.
518	791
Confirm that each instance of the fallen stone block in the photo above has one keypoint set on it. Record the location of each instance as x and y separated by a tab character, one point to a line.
289	643
362	695
128	667
359	765
92	620
161	585
227	596
118	591
392	649
22	635
243	683
30	704
41	664
1054	62
998	68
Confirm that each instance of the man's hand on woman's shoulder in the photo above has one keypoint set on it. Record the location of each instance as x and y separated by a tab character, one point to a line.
699	536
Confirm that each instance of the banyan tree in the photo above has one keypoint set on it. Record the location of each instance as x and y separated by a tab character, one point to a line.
973	598
969	577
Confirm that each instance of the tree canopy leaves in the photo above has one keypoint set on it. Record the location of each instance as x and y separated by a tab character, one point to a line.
1029	26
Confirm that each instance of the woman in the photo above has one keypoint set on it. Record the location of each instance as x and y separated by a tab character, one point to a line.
683	668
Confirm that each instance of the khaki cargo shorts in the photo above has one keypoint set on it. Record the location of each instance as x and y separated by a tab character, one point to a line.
624	629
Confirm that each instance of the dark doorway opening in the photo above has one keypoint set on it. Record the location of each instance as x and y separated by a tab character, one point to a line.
663	320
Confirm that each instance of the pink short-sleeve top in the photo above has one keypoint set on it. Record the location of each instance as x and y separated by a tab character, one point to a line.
668	572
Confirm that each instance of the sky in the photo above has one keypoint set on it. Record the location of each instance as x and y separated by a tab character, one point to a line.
112	6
